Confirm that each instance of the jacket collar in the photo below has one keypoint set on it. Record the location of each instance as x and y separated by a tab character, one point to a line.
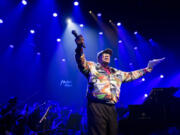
100	67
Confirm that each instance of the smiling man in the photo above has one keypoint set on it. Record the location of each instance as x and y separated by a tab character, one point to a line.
104	84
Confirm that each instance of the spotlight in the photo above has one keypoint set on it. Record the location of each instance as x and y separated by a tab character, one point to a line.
120	41
135	33
99	14
11	46
110	21
100	33
63	60
118	24
135	48
150	40
130	64
24	2
58	40
90	11
143	79
38	53
161	76
76	3
1	20
69	21
115	59
81	25
146	95
55	14
32	31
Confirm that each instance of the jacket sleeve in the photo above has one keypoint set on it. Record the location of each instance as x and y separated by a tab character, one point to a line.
81	61
129	76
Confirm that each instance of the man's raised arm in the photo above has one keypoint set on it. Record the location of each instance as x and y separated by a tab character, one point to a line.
80	57
129	76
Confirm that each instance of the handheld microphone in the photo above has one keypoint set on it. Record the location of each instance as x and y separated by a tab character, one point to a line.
76	36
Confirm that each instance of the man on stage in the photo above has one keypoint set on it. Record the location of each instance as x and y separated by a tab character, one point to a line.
104	84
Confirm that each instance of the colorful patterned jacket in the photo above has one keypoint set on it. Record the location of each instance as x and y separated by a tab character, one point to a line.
102	86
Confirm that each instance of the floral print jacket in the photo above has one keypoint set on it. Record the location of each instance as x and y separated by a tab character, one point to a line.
102	86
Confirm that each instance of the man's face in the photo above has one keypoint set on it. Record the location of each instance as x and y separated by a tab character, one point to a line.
105	58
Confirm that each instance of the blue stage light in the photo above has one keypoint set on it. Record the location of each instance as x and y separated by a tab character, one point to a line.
135	33
1	21
143	79
11	46
63	60
32	31
55	14
81	25
38	53
115	59
100	33
99	14
118	24
58	40
120	41
135	48
150	40
24	2
161	76
76	3
145	95
69	21
130	64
